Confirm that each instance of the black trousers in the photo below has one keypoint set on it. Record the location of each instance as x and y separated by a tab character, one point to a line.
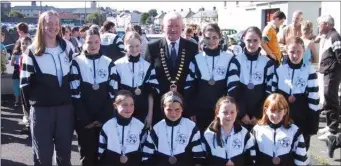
88	145
331	99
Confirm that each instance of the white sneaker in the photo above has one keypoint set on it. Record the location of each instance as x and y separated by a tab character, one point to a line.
323	130
25	119
324	137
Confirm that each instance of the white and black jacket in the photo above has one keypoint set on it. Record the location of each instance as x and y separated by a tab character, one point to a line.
90	104
277	141
39	76
237	147
225	74
131	131
300	80
112	46
133	73
182	135
330	52
258	70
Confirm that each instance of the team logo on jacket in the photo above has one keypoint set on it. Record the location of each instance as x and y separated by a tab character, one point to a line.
285	142
66	59
300	83
102	73
181	139
141	74
237	144
221	70
132	139
257	76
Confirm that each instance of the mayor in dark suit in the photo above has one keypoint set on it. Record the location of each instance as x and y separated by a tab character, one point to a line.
171	56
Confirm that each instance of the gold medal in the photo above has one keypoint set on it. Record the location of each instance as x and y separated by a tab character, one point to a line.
172	160
123	159
95	86
229	163
291	99
276	160
137	91
211	82
250	86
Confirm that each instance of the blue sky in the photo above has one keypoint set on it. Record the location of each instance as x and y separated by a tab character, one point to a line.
140	6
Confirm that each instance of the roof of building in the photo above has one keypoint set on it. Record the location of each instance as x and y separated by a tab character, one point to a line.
206	13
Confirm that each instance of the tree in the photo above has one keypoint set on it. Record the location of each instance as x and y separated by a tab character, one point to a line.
15	14
95	18
152	12
144	18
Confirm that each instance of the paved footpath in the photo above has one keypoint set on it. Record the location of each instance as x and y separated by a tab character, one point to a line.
16	148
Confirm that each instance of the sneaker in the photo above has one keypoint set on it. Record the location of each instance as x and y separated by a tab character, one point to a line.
25	120
17	104
323	130
25	130
324	136
331	144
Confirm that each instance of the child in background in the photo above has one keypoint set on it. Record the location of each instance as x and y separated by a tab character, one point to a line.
3	53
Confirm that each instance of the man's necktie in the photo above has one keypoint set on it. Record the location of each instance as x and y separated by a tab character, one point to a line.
173	55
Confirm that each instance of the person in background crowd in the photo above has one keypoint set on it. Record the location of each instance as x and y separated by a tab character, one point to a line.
144	40
270	42
82	31
111	44
330	67
256	72
310	54
213	74
22	30
122	137
298	83
44	81
19	48
227	142
189	35
138	76
292	30
234	47
92	94
171	56
66	32
175	140
277	140
76	34
3	53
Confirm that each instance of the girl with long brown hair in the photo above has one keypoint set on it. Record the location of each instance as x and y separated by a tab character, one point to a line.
277	140
226	141
44	80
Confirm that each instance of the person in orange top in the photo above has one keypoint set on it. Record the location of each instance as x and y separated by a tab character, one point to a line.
270	42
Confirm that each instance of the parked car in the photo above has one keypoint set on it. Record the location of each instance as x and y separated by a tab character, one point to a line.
153	37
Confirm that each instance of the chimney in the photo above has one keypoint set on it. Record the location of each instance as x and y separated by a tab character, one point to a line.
190	9
214	8
33	3
182	10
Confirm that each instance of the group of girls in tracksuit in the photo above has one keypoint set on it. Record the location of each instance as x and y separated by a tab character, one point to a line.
241	112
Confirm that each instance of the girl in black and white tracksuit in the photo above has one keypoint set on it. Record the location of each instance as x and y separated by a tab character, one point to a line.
121	137
256	73
226	142
93	85
215	74
277	140
174	140
45	88
138	76
298	83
